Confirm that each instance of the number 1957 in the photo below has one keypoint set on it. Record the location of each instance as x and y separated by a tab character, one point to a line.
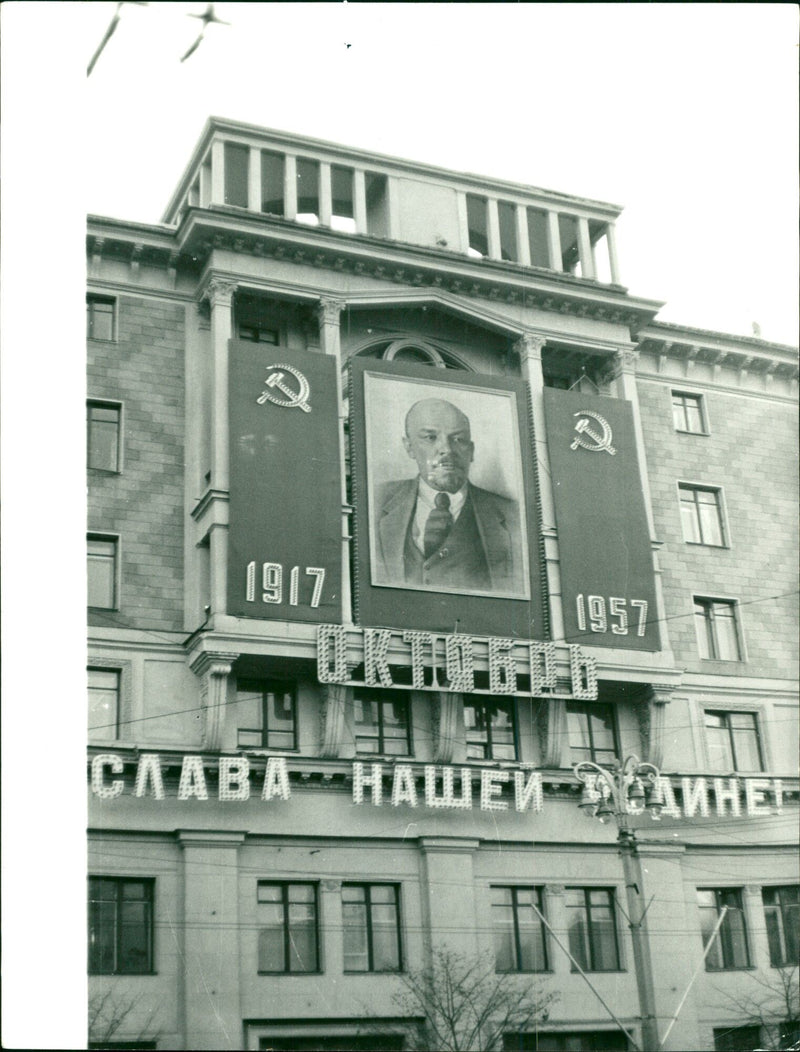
615	619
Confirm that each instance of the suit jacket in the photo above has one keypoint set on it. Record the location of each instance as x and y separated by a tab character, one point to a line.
497	519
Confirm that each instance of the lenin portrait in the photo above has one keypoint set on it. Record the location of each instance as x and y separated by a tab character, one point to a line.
446	499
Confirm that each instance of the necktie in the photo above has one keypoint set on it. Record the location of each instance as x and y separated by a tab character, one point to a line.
439	524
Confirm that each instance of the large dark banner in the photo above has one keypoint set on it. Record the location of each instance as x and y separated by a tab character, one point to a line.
607	580
445	511
285	529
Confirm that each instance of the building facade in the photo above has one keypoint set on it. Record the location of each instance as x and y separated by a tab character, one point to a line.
333	713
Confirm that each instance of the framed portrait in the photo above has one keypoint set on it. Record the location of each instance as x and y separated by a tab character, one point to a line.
443	494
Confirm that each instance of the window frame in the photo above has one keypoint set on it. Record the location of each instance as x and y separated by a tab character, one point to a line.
722	517
752	1030
725	948
119	882
538	890
591	940
95	298
113	538
368	886
709	710
105	403
381	696
484	702
107	670
702	406
587	707
785	960
709	602
262	686
286	926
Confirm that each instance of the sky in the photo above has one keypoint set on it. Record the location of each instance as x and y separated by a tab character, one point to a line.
684	114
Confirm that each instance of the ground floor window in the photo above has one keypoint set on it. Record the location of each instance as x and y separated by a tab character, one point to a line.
567	1041
736	1038
338	1043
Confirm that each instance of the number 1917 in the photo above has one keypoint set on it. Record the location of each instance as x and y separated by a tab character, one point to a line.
593	613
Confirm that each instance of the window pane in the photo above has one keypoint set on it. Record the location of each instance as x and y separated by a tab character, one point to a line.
689	519
725	631
710	528
103	704
101	573
134	949
531	936
577	926
719	745
302	941
702	620
270	948
385	945
356	953
694	415
102	937
103	438
237	163
745	741
100	319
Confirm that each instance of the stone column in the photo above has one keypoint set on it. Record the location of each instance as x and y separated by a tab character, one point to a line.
289	186
211	932
529	347
523	243
328	313
217	173
213	670
585	248
448	894
325	194
613	262
394	207
493	228
220	297
254	180
360	201
554	241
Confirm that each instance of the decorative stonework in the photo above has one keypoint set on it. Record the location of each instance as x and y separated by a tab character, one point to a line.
219	292
213	670
335	702
445	709
530	345
625	361
329	310
651	712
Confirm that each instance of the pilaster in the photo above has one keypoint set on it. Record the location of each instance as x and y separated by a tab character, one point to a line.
652	717
493	228
360	201
447	887
213	669
554	241
324	191
254	180
523	244
585	248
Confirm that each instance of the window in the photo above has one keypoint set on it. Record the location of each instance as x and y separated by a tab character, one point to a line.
112	1045
255	320
268	710
592	730
782	913
100	318
568	235
717	629
103	436
592	929
335	1043
687	413
736	1038
733	742
104	703
288	939
567	1041
342	203
307	192
537	238
519	944
102	571
120	926
382	724
730	946
237	167
507	227
477	228
272	181
701	515
371	918
377	195
491	730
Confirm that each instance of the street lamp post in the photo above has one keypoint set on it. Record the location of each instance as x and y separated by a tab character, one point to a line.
628	789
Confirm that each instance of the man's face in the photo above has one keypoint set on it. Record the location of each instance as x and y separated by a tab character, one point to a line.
438	438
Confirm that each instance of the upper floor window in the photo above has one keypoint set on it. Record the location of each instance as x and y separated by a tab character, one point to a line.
538	237
701	515
307	191
255	320
288	937
381	722
237	170
342	199
103	703
519	940
507	228
717	629
490	729
103	435
782	914
477	226
102	553
733	741
688	413
371	919
593	928
272	182
267	714
592	730
729	949
100	316
120	926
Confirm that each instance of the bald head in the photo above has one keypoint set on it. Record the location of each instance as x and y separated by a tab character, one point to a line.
438	438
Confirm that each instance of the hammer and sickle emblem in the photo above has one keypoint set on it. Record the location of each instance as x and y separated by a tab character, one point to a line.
598	442
275	382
